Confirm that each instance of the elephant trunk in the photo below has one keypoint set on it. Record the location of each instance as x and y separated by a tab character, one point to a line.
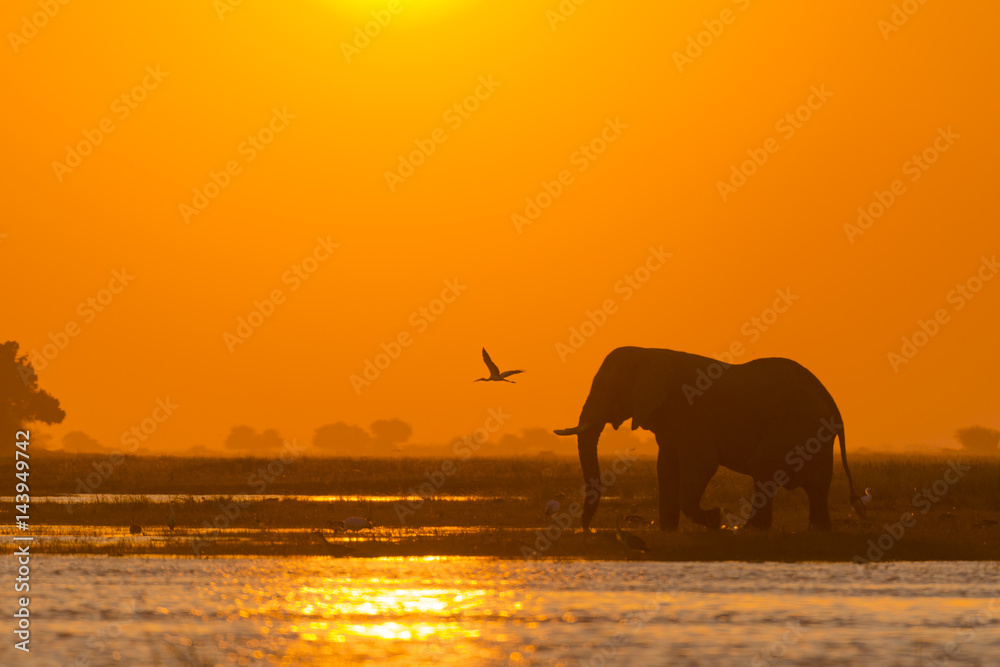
587	445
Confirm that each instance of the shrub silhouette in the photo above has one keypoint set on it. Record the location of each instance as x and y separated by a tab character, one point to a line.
979	439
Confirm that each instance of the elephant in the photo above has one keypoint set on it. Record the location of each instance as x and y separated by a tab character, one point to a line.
768	418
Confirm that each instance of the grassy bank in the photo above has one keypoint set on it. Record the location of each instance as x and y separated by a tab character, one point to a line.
955	519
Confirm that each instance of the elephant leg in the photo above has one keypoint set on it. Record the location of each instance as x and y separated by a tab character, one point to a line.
819	508
761	517
668	474
695	474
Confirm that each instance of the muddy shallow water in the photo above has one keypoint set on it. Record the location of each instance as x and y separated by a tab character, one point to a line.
317	610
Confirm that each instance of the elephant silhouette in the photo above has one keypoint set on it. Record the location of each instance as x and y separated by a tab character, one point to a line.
768	418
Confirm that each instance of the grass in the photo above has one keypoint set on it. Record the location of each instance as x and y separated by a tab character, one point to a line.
505	520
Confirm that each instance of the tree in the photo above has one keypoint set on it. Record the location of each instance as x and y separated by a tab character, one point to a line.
344	438
245	439
979	439
21	401
79	442
391	431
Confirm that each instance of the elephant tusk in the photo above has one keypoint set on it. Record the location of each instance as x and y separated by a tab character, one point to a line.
571	431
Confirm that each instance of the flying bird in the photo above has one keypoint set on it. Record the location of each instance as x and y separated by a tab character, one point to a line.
629	541
495	374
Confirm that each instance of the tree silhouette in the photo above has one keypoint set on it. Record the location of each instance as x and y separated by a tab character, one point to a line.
391	431
21	401
346	438
979	439
245	439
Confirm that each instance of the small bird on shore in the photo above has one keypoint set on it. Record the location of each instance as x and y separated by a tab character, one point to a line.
495	374
356	523
134	528
629	541
170	517
336	550
554	505
351	523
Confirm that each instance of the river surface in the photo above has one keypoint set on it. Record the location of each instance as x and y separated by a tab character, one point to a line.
148	611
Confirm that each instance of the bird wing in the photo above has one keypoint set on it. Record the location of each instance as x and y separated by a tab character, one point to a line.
506	373
489	363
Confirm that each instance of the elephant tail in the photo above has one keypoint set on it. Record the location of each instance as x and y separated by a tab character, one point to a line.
856	503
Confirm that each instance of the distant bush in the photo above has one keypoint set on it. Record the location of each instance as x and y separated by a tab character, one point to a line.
979	439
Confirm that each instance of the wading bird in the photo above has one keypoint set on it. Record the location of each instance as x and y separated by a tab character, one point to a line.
356	523
336	550
553	505
170	517
629	541
495	374
134	528
351	523
867	498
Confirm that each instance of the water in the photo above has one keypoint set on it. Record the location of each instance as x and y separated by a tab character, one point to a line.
163	498
104	535
261	611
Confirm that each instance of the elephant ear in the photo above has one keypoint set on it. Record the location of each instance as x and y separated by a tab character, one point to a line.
654	386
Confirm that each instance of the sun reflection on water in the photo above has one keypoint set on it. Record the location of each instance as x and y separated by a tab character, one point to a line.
445	611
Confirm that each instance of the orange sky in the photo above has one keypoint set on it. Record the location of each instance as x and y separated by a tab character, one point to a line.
533	92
